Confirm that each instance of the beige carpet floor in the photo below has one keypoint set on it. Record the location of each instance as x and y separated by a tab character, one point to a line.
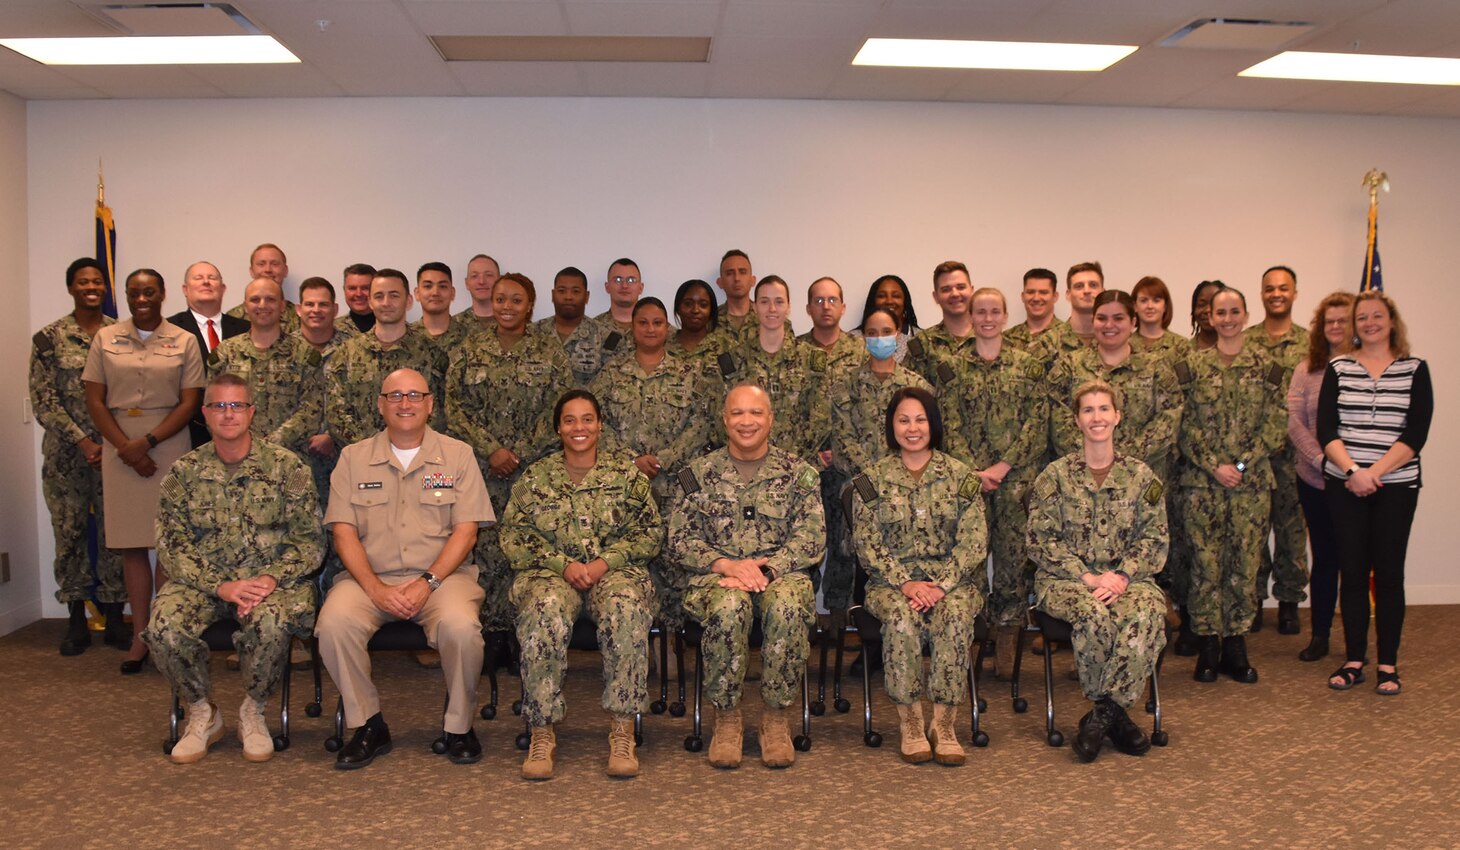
1285	763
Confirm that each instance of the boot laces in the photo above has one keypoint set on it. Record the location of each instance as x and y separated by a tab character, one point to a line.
541	748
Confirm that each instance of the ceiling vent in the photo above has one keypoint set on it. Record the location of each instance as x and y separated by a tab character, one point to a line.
1237	34
177	19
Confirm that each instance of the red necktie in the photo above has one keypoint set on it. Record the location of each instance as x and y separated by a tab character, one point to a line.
212	336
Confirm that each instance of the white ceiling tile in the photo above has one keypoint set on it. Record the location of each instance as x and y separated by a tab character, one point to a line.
798	19
153	81
48	19
487	17
642	17
269	81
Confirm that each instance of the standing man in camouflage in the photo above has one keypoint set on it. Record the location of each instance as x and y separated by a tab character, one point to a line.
354	374
71	460
317	309
587	343
936	352
580	530
1287	563
434	292
736	280
624	285
1083	282
238	533
481	278
1040	293
358	318
268	260
749	529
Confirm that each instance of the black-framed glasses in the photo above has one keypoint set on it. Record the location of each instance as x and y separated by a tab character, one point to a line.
220	406
397	397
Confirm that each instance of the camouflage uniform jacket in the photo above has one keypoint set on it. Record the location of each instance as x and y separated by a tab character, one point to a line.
777	515
1237	413
1171	346
357	369
329	348
57	356
455	336
1020	337
1077	528
998	410
935	347
795	378
550	522
846	353
1055	342
261	518
930	528
345	327
589	346
504	399
715	343
1150	410
666	413
288	318
859	414
1289	350
286	381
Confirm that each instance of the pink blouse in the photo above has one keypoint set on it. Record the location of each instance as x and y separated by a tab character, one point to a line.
1303	423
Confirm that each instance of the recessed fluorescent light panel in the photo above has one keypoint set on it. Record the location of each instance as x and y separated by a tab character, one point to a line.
153	50
1006	55
1359	68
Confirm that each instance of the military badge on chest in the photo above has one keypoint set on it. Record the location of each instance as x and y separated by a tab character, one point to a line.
438	481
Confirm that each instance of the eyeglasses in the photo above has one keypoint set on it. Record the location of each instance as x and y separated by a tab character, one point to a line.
220	406
397	397
620	280
825	300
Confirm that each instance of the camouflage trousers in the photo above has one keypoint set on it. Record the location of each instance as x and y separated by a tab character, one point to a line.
787	610
73	491
621	604
1175	579
1226	529
669	580
1287	563
839	574
181	614
1116	646
494	571
1013	576
948	631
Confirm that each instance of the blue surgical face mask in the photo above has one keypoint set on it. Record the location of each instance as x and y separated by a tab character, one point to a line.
881	347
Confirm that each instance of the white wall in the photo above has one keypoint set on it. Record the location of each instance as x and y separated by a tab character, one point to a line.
20	599
848	189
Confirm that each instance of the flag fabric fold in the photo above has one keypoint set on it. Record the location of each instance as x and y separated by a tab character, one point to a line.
106	254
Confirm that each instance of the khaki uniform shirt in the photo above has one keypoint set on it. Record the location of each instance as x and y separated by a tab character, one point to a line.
144	375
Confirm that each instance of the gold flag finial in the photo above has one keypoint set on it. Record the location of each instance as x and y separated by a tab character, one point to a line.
1374	180
100	185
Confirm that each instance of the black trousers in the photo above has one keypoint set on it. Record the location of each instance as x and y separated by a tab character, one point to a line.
1372	535
1323	581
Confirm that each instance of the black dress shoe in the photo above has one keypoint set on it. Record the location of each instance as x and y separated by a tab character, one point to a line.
1093	729
369	742
1126	735
463	749
1209	655
863	657
1317	648
132	667
1288	619
1234	660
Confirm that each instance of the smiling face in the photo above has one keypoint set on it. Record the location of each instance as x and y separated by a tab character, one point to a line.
481	276
268	262
1229	314
889	295
434	291
263	302
772	303
1039	296
651	329
87	288
1113	326
953	292
227	425
1201	311
203	288
579	426
1338	327
405	418
357	293
910	427
1373	324
1278	291
1096	417
511	306
389	300
748	422
144	300
317	308
989	316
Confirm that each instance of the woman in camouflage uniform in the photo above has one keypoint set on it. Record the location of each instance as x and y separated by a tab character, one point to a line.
1097	533
700	336
1153	309
918	520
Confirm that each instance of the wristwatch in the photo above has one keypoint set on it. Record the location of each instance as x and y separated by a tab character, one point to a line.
151	440
1351	470
431	581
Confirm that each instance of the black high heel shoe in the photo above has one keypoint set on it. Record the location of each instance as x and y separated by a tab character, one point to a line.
132	667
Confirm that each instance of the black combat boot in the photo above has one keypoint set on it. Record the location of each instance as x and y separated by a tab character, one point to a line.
1126	735
1187	643
1209	655
78	636
1234	660
1288	619
1093	729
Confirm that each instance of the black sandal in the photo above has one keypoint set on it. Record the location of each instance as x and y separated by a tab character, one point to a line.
1385	678
1350	675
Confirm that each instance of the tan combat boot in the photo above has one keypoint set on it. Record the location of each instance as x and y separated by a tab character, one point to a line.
946	749
775	739
728	738
622	763
539	761
205	728
253	732
1004	640
915	749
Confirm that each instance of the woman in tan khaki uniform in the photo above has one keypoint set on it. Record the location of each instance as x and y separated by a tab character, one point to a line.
144	380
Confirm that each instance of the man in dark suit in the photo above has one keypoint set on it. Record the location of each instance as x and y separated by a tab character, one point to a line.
203	288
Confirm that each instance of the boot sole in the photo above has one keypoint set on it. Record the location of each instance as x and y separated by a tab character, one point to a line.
212	739
379	751
258	758
918	758
950	761
623	773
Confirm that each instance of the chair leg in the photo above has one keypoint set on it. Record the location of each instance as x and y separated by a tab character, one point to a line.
524	739
802	742
281	740
1020	704
840	702
823	644
174	716
696	741
660	705
869	737
1159	737
314	709
1052	736
980	738
677	708
333	743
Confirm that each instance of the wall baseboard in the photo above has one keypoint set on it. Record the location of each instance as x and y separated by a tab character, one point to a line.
20	616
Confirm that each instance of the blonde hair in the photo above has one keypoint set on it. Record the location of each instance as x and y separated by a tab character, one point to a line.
989	290
1092	387
1398	333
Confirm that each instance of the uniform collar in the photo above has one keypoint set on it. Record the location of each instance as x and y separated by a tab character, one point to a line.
428	454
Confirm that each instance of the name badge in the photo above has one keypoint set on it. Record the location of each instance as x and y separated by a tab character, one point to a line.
370	485
438	481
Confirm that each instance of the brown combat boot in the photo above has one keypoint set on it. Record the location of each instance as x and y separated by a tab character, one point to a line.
915	749
1004	640
539	761
775	739
622	763
946	749
726	743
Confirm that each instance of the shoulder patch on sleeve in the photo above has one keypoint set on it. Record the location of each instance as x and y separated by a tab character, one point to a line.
1183	371
1153	493
808	478
971	487
1275	374
687	481
945	373
171	489
915	347
1035	371
865	488
611	342
727	365
42	342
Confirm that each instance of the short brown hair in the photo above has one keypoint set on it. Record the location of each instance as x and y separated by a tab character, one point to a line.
1092	266
948	266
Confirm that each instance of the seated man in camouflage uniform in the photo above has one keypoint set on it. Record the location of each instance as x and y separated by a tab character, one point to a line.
749	529
238	532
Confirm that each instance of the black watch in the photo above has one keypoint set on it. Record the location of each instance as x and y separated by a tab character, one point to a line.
151	440
431	581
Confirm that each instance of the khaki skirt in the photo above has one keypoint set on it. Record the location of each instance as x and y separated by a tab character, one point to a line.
129	499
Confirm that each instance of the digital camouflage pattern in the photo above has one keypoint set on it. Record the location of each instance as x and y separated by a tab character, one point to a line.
72	488
355	372
216	525
589	347
930	528
795	379
1234	413
1287	563
934	347
715	343
286	383
1172	346
1150	409
998	410
455	336
847	352
1075	528
504	399
777	515
288	318
1057	340
1021	338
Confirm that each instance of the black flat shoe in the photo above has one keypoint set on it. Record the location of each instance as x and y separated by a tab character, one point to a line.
1257	620
1317	649
1126	735
369	742
463	749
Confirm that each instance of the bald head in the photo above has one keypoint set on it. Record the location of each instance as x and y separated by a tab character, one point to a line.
748	419
203	288
263	303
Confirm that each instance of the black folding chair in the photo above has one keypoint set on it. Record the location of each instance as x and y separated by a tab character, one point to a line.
692	634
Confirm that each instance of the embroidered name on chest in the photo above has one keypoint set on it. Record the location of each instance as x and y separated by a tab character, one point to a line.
438	481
